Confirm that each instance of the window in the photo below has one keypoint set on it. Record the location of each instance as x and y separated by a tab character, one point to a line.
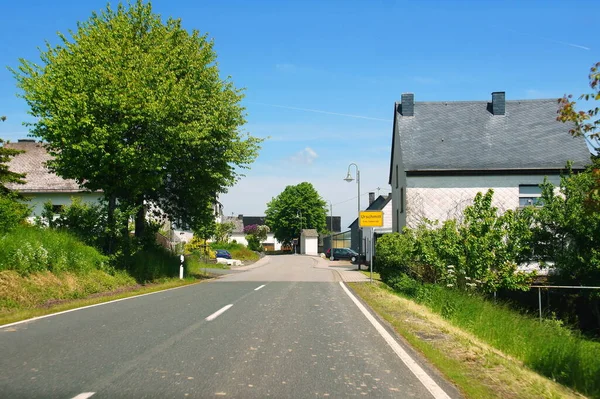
397	221
396	176
529	195
402	200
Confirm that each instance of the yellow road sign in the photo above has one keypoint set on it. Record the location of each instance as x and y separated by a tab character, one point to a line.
370	219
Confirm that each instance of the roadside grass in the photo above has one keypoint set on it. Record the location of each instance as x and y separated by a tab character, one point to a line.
29	249
23	313
194	265
475	362
376	276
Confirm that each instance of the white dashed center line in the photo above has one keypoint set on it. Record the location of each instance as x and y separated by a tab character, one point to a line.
258	288
84	395
219	312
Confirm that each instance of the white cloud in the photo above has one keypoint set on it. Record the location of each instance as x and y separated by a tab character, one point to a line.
306	156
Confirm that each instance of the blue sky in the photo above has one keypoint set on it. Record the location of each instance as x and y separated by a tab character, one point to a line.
351	60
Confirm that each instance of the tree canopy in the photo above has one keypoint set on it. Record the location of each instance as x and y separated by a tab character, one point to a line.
135	107
295	208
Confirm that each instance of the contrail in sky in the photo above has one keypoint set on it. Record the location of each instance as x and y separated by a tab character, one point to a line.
322	112
552	40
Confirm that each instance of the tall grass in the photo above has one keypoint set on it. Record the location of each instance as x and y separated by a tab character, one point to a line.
29	249
547	347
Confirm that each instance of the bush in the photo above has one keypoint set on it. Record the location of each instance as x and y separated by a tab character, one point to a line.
30	249
12	212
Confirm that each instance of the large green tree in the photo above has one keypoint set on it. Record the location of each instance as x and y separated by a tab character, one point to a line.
297	207
134	106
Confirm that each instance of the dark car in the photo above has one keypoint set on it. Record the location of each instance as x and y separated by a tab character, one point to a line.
222	253
343	253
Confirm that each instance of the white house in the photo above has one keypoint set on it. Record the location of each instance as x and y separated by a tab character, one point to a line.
41	185
443	153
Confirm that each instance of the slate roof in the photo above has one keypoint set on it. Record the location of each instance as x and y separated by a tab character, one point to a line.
310	233
465	135
237	222
38	178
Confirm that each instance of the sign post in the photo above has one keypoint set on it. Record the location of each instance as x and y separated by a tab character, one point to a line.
182	258
371	219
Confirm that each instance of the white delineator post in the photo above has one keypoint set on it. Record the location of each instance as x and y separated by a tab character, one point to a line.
181	267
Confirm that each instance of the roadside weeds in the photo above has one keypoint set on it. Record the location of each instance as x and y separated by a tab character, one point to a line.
476	368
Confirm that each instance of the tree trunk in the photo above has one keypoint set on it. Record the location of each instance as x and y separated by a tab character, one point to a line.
110	220
140	219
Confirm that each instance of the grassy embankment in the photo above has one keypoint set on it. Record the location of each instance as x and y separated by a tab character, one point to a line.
44	271
487	349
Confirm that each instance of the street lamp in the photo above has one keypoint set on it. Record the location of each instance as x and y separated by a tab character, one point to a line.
349	179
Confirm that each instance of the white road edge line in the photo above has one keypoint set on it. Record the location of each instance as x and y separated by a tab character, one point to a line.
219	312
258	288
89	306
426	380
84	395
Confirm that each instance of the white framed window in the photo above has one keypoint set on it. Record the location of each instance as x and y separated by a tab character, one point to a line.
530	195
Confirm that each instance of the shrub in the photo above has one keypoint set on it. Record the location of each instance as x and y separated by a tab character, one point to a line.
12	212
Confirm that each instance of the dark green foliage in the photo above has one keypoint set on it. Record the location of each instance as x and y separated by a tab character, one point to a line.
85	221
12	212
481	253
297	207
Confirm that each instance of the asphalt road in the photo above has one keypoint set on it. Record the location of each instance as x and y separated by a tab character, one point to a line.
286	329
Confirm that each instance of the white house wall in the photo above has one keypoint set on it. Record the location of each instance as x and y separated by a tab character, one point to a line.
37	201
442	198
240	238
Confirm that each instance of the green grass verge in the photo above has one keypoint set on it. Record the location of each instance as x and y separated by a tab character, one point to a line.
376	276
478	369
547	347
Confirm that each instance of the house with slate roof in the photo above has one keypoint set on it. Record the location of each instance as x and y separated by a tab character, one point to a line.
444	153
42	185
382	203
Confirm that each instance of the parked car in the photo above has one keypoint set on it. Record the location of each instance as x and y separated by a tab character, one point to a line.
222	253
343	253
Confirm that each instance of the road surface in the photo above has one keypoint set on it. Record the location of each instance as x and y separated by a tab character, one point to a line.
286	329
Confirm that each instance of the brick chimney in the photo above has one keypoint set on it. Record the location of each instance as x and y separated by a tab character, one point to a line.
371	198
407	107
498	103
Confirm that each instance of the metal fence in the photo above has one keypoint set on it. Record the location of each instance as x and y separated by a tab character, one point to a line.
547	287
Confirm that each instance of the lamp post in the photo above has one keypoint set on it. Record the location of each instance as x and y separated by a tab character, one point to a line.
349	179
299	214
